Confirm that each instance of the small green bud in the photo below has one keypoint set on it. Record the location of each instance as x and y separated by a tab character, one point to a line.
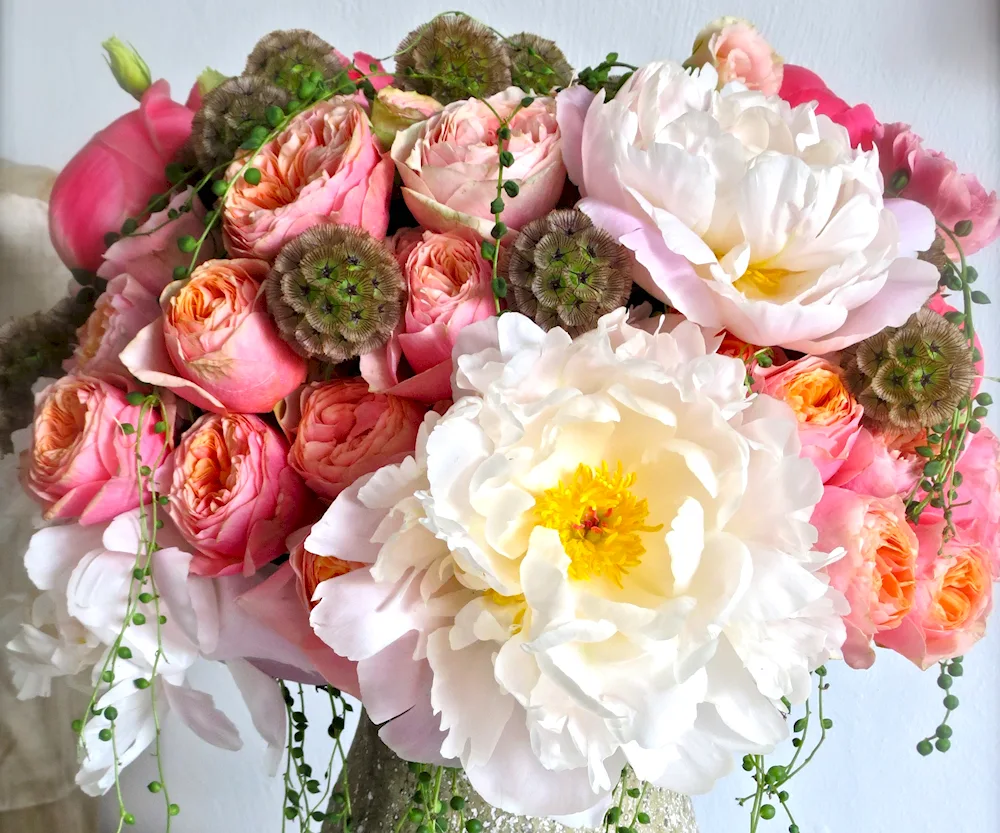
942	744
111	238
527	101
793	828
827	723
124	653
105	735
174	173
971	274
821	671
775	773
899	181
108	676
799	725
498	231
457	803
613	815
488	249
145	471
497	205
424	778
128	818
950	702
127	66
783	796
307	89
180	272
506	158
154	786
748	763
173	810
944	731
963	228
416	815
925	748
796	742
512	188
77	726
984	399
219	187
252	176
138	619
975	427
642	818
945	681
145	598
161	619
128	428
764	360
767	812
474	826
956	669
274	114
499	287
129	226
979	297
291	812
503	132
135	397
933	468
187	244
141	683
634	792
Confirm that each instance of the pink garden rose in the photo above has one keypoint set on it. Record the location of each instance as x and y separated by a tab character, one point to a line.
340	431
881	464
326	167
114	176
122	310
877	574
739	53
449	163
394	110
150	253
953	599
216	345
81	464
449	286
932	179
829	416
233	495
800	85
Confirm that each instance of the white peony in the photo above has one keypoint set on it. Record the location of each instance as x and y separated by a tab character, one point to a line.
747	213
601	554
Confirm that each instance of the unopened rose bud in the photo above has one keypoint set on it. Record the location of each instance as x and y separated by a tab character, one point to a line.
130	71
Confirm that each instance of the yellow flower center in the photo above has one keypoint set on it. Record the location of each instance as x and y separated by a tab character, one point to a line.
599	520
761	281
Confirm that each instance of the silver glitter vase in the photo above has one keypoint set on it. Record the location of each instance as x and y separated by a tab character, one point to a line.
381	787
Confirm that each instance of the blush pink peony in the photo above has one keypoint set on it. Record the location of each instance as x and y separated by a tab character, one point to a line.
80	463
233	495
449	286
449	164
326	167
216	345
739	53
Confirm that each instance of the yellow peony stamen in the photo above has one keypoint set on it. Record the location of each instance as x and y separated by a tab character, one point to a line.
760	281
599	521
517	623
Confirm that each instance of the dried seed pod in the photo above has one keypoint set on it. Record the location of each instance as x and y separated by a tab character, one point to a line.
537	64
286	57
335	292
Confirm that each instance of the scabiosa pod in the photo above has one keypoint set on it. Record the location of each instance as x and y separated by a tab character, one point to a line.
288	57
536	63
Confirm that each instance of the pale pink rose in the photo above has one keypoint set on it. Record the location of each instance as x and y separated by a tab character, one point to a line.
340	430
360	66
394	110
449	286
121	311
233	495
81	464
881	464
934	180
449	163
216	345
114	175
739	53
953	600
325	167
877	574
150	253
829	416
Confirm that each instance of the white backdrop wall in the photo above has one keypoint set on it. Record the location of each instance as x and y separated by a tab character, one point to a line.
934	64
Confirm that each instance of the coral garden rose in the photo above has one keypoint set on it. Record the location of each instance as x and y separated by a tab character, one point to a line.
739	53
394	110
343	431
747	215
325	167
800	86
878	572
311	569
216	345
932	179
449	163
829	416
954	598
114	175
81	464
233	495
121	311
449	286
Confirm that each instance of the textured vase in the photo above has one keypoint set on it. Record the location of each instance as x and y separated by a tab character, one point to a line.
381	786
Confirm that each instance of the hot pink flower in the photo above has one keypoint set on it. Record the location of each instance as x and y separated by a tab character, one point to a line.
829	416
340	431
360	66
216	345
80	462
877	575
114	176
800	85
739	53
150	254
122	310
954	598
326	167
449	163
449	287
233	495
932	179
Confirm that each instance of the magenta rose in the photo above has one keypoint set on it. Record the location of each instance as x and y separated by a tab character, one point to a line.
233	495
340	431
449	164
81	464
799	85
325	167
114	175
448	287
215	344
932	179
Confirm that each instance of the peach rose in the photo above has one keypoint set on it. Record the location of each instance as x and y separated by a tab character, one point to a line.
326	167
216	345
739	53
340	430
311	569
233	495
449	287
829	416
877	574
121	311
80	462
394	110
954	598
449	163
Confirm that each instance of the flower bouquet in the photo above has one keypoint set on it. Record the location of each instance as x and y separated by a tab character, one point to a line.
570	420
